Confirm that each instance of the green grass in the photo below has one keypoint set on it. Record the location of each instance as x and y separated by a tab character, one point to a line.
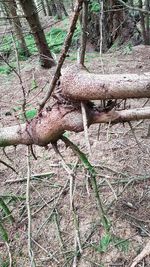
95	6
108	239
4	69
55	39
4	263
30	114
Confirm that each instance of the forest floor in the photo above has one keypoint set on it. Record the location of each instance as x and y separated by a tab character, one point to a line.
60	236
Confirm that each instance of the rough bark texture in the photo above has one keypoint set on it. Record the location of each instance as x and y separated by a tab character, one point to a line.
12	11
49	12
118	27
66	114
82	85
50	125
30	11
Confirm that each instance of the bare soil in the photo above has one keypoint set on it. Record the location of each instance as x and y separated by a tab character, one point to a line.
121	159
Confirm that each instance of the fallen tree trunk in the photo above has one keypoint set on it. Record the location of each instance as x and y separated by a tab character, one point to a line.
78	85
82	85
49	126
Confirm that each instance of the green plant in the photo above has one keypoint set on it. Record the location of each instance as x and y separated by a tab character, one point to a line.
31	44
105	222
55	38
33	85
4	262
5	69
3	232
107	239
6	44
95	6
30	114
6	210
127	48
104	243
121	244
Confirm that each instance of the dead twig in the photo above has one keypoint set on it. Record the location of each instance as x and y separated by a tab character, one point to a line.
77	231
30	251
145	252
134	8
55	205
57	222
63	54
33	177
85	125
70	173
7	165
9	254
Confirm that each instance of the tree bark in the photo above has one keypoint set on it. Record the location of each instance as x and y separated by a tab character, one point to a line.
147	4
66	114
143	23
82	85
47	4
64	9
53	7
40	6
12	10
59	11
84	22
30	11
52	124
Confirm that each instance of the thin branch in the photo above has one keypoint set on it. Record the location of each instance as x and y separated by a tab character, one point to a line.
49	254
69	172
77	231
55	205
9	254
85	125
63	53
134	8
101	26
30	251
81	61
84	32
145	252
57	222
8	166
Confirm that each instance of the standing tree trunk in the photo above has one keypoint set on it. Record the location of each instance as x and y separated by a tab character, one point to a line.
142	16
63	9
30	11
40	6
53	7
15	21
147	4
117	27
72	5
59	10
47	4
84	22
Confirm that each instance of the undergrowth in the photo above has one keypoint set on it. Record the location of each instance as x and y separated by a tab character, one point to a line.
55	39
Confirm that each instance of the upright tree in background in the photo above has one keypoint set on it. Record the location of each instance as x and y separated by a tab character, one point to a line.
11	9
72	5
30	11
48	8
119	25
63	8
53	7
145	22
147	4
58	8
